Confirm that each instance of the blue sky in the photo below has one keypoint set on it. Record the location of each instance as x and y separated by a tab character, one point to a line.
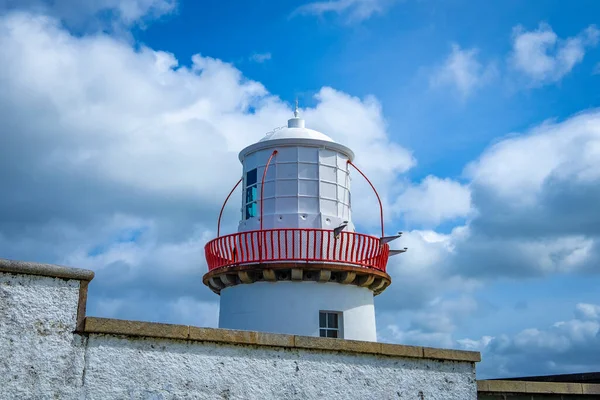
477	121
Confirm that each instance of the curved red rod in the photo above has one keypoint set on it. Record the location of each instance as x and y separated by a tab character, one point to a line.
262	187
376	194
223	207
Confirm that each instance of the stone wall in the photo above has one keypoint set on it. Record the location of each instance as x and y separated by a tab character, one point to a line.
49	351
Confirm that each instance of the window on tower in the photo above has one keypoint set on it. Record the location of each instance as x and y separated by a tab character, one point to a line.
251	194
330	324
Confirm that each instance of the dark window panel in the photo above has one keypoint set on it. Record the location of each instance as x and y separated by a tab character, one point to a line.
251	177
332	320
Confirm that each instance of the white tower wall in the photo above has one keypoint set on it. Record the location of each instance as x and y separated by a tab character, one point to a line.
293	308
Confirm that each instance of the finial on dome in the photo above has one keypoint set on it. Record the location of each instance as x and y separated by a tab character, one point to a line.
296	112
296	122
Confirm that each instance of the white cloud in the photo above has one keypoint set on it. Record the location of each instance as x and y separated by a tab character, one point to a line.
522	168
564	347
545	58
585	311
420	277
463	71
434	201
433	325
354	10
260	57
536	197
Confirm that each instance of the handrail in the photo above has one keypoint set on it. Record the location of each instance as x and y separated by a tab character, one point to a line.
223	206
296	245
376	194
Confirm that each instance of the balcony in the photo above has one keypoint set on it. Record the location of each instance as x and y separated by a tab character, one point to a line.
311	246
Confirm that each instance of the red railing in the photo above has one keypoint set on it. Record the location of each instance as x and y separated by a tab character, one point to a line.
296	245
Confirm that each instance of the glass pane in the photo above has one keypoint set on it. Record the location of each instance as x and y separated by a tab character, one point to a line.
251	194
250	210
332	320
251	177
331	333
322	333
322	320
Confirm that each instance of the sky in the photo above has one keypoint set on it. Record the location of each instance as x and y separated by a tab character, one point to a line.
121	121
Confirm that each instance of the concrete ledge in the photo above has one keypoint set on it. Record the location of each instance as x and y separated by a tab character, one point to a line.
49	270
529	387
94	325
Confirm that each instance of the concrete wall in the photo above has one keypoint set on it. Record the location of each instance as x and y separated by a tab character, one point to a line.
48	351
293	308
39	355
178	369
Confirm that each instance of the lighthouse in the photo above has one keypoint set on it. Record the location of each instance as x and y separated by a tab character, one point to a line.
296	265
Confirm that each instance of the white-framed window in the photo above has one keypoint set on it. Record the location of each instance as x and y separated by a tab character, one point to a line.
330	324
250	207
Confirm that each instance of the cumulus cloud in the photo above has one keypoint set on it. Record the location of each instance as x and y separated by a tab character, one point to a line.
434	201
545	58
354	10
585	311
564	347
463	71
535	197
432	325
116	158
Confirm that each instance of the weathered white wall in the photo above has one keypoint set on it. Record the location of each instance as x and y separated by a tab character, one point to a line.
293	308
40	358
118	368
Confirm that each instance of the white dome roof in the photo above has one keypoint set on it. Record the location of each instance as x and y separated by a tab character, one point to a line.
296	133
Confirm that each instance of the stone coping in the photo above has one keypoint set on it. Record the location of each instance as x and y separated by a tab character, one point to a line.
95	325
530	387
49	270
